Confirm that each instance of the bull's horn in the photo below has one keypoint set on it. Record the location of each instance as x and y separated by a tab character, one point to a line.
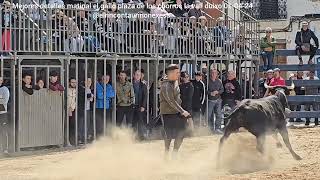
291	87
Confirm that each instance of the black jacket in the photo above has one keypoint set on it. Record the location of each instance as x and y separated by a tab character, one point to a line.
306	36
141	95
29	90
298	89
186	94
198	97
232	90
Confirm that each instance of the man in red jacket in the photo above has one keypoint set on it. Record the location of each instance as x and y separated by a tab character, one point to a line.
277	80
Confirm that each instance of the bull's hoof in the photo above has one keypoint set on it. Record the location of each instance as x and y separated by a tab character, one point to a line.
297	157
279	145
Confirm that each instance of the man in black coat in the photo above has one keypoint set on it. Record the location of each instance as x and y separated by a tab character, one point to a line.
232	93
186	92
303	42
198	97
140	106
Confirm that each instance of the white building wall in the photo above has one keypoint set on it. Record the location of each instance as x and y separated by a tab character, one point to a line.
295	8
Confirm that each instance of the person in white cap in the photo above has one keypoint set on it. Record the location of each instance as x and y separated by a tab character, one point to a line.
304	46
267	46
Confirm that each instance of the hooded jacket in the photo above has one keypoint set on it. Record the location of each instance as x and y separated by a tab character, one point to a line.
170	102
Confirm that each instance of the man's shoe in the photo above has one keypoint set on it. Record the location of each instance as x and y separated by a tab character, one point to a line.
299	120
291	120
316	123
307	123
300	62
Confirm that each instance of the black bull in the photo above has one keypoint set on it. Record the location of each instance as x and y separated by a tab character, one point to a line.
260	117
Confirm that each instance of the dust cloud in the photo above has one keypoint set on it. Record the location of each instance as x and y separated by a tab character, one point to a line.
119	157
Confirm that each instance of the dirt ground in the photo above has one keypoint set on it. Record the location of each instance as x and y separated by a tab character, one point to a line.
120	158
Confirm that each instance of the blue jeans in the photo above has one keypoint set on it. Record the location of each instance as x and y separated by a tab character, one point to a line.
214	108
267	58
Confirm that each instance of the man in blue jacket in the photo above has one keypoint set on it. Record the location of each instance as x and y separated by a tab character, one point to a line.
104	95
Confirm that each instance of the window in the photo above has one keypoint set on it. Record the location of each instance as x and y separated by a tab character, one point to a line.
267	9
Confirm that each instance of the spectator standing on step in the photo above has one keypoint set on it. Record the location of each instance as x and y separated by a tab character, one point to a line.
312	91
4	99
267	46
303	43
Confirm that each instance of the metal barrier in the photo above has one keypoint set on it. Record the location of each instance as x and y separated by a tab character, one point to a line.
93	46
92	31
40	119
53	123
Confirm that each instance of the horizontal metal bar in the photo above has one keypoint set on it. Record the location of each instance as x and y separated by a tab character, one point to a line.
290	52
294	67
304	83
40	66
304	114
303	99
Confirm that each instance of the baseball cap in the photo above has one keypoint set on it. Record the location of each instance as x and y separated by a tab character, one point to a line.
276	69
304	23
270	71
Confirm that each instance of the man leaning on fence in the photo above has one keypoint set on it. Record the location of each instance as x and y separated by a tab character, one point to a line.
4	98
174	117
